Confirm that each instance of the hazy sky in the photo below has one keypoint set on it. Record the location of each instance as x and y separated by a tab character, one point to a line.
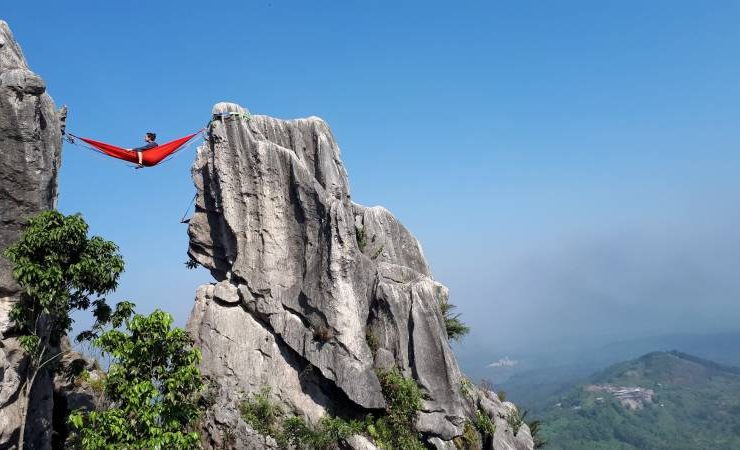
571	168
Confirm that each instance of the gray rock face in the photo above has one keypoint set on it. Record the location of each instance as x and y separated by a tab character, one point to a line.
72	391
30	152
314	293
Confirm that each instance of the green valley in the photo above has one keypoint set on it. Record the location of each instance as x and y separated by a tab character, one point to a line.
662	400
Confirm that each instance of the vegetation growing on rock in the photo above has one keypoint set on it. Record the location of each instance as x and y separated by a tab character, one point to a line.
391	431
456	328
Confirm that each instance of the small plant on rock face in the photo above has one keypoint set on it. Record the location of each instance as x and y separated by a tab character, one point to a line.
455	327
361	237
515	419
327	434
484	424
322	333
378	252
470	439
262	414
267	418
466	387
392	431
372	342
403	397
229	438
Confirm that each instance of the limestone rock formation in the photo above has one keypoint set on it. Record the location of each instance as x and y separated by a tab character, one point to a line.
314	293
74	391
30	153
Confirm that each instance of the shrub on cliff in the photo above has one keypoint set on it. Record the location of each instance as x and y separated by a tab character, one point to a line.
393	430
152	387
456	328
60	270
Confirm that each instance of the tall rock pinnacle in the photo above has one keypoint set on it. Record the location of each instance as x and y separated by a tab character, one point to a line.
314	293
30	154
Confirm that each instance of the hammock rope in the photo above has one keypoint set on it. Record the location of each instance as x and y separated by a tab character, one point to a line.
190	205
149	157
156	155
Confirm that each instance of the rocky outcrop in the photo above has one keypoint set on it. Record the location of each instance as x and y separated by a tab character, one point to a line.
78	384
314	293
30	151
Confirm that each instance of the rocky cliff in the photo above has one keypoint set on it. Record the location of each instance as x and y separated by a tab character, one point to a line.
313	292
30	151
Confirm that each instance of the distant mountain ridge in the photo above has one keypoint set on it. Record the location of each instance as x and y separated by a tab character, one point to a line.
538	377
662	400
652	364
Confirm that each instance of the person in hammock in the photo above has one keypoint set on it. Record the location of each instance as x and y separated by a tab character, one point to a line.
151	142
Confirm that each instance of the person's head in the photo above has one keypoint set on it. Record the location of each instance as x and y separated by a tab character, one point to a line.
150	137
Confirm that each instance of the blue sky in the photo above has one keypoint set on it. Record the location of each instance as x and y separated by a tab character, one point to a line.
571	168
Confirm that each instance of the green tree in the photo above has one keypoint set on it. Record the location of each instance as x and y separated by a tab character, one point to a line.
152	387
60	270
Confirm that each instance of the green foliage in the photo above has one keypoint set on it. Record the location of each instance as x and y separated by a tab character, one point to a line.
295	432
60	270
372	342
378	252
515	419
402	394
476	434
104	316
455	327
361	237
696	405
264	415
327	434
403	397
534	430
152	388
392	431
267	418
97	384
470	439
484	424
466	387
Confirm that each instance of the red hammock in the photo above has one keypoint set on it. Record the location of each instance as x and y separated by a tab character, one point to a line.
150	157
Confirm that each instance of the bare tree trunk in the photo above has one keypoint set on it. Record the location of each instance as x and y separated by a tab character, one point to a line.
25	400
28	388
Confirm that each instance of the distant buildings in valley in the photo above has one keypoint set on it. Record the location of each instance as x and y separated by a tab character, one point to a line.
504	362
629	397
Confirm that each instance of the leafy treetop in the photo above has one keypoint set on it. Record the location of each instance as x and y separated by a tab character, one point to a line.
153	388
60	270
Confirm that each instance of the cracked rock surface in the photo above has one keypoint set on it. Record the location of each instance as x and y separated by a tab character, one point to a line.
30	154
313	292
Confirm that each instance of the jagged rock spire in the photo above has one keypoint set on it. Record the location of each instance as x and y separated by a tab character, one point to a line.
314	293
30	154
